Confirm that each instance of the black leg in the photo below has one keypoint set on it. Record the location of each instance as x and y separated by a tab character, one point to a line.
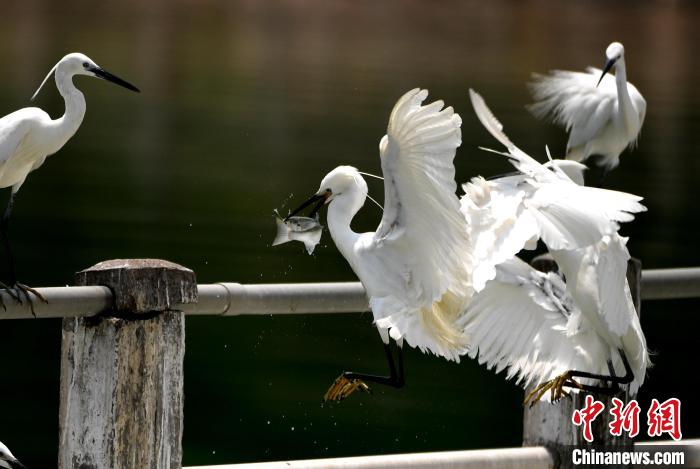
17	289
350	381
629	375
4	223
395	378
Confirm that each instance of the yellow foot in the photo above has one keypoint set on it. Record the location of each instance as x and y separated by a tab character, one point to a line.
555	386
343	387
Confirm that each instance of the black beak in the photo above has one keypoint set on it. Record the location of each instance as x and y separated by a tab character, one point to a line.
105	75
320	198
15	464
608	66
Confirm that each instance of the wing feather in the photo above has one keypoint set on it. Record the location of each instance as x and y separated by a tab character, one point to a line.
518	322
555	209
421	210
572	100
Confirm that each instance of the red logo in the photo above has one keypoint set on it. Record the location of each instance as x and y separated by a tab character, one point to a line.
624	418
661	417
665	418
587	415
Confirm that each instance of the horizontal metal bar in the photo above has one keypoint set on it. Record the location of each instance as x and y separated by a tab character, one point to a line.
536	457
231	299
62	302
665	284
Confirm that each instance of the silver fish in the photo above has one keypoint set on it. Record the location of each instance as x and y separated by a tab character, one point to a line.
304	229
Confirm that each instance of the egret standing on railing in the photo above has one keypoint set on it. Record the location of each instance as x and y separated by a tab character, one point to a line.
416	266
7	460
29	135
602	114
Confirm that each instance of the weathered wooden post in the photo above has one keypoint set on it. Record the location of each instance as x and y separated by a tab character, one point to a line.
122	374
550	425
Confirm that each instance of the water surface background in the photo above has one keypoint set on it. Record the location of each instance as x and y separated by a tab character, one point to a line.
245	106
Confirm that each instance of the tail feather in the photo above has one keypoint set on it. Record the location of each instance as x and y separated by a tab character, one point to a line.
282	235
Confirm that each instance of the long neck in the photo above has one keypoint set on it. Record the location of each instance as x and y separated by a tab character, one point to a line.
340	214
627	110
68	124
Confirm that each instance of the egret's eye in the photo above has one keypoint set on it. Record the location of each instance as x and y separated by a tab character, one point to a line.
86	65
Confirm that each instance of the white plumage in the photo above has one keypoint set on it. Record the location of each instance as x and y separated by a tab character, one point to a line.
511	213
602	119
519	322
29	135
443	276
416	266
7	459
535	324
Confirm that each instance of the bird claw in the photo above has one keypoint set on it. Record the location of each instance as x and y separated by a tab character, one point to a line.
17	291
342	387
10	291
555	386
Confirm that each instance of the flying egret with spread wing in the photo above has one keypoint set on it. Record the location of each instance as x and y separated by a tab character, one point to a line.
416	266
7	459
576	328
603	114
29	135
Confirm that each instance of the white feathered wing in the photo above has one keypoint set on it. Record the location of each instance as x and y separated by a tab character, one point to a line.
422	234
511	321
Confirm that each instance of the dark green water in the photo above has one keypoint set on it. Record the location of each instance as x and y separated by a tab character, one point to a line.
247	103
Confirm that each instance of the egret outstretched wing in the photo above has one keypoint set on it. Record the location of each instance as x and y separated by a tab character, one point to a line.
499	223
508	214
585	108
525	321
420	251
421	218
572	100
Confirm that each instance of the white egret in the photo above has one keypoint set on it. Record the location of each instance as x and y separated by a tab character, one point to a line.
29	135
602	114
416	266
547	331
7	460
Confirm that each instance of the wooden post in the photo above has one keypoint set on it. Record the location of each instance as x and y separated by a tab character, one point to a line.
550	425
121	375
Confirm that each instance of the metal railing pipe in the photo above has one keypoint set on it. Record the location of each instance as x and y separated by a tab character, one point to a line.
520	458
63	302
665	284
232	299
536	457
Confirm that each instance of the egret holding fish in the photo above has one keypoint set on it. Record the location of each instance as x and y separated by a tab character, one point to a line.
304	229
416	266
29	135
603	114
576	329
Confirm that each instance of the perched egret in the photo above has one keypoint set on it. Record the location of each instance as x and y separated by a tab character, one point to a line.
602	114
29	135
570	329
7	460
416	266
